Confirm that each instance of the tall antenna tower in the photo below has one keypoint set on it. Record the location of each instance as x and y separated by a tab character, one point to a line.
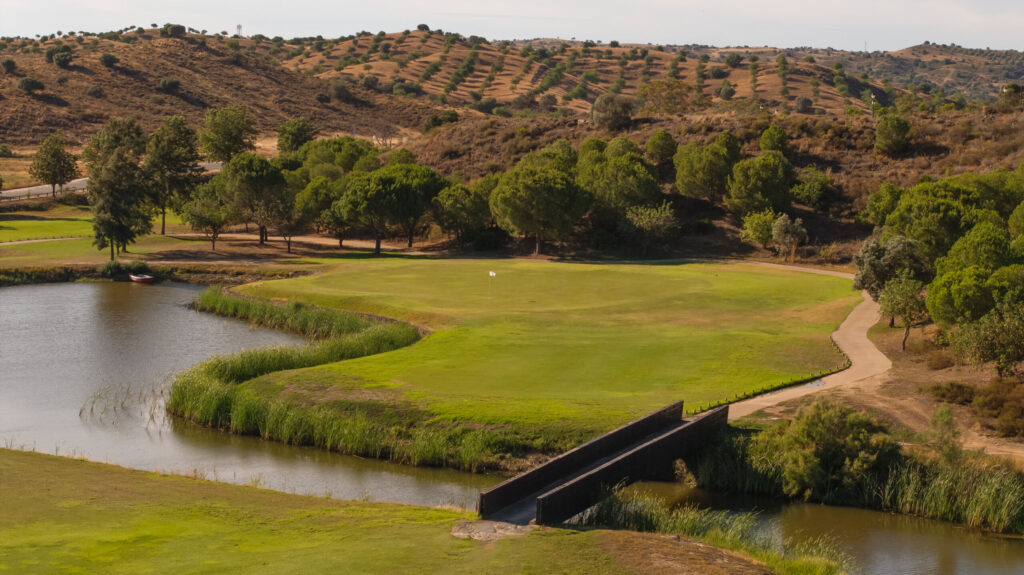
238	30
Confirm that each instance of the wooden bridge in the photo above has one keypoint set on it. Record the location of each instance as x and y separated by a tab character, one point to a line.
646	448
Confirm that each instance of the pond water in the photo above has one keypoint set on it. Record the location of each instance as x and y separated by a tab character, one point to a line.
82	369
880	543
83	366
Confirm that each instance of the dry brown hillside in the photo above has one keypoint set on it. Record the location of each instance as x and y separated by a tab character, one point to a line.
80	98
392	82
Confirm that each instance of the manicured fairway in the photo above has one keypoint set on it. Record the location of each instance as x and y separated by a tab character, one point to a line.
76	251
67	516
568	348
63	222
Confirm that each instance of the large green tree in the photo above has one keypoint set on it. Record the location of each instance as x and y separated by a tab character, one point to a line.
539	197
703	171
53	164
464	210
118	185
661	147
760	183
879	261
210	210
172	160
228	131
256	188
617	176
414	189
295	132
367	205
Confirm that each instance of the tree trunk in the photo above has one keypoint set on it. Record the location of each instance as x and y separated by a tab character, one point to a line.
263	235
536	247
340	240
892	321
163	220
376	248
906	334
288	241
411	232
53	191
213	243
111	251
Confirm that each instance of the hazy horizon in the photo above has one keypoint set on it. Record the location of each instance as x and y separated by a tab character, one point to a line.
880	25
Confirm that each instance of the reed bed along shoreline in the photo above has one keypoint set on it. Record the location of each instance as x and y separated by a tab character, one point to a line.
736	531
209	393
974	490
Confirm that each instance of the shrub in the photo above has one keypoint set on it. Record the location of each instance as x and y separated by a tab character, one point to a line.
940	359
29	85
5	151
892	135
96	92
169	85
953	392
108	60
62	59
813	186
803	105
435	120
172	31
612	112
323	97
757	227
661	147
8	65
774	139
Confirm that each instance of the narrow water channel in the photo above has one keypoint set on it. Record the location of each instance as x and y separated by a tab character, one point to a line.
82	367
880	543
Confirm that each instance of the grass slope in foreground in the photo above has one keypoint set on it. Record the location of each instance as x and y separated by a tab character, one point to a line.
562	351
68	516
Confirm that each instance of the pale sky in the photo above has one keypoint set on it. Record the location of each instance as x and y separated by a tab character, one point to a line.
883	24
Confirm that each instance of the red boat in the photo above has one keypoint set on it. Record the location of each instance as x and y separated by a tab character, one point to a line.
141	278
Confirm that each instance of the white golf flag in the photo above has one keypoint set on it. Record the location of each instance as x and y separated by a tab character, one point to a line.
493	274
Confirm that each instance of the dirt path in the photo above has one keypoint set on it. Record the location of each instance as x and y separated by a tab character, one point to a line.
866	362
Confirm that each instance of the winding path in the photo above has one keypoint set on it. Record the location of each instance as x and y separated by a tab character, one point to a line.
866	361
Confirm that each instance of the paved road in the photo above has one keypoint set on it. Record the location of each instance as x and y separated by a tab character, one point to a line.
73	186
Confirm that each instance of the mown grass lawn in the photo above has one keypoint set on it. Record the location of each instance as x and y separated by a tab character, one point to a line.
567	348
61	222
67	516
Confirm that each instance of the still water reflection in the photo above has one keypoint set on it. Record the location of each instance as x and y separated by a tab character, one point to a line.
82	369
880	543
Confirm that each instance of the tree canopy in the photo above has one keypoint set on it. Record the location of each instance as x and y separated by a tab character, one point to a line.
118	185
228	131
759	183
53	164
539	197
172	161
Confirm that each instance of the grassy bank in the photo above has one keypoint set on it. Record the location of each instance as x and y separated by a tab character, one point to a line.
559	352
210	394
838	456
69	516
737	531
